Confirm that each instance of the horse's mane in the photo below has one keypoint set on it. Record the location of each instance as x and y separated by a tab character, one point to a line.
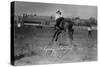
68	20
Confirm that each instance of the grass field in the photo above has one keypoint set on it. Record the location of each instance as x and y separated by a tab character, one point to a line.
35	46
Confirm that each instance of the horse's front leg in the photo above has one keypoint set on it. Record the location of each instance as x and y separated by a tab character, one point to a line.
57	35
54	35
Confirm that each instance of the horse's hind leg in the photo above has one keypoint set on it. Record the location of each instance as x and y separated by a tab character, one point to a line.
72	33
70	37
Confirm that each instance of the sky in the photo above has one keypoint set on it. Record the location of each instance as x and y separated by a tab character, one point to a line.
48	9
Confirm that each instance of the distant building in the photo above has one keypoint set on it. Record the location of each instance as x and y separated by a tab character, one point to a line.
39	20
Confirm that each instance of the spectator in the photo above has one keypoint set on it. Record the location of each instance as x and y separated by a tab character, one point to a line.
89	31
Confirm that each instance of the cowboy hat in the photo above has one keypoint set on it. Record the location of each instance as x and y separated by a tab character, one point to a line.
58	12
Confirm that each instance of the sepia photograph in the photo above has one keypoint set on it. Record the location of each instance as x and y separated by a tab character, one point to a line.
51	33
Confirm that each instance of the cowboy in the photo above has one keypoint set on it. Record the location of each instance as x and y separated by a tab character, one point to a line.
58	19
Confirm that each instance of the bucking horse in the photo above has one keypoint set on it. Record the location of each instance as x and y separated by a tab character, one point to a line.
63	25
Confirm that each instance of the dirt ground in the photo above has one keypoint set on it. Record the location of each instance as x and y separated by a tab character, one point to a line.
33	45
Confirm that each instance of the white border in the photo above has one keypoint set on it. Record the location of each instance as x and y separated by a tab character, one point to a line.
5	32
